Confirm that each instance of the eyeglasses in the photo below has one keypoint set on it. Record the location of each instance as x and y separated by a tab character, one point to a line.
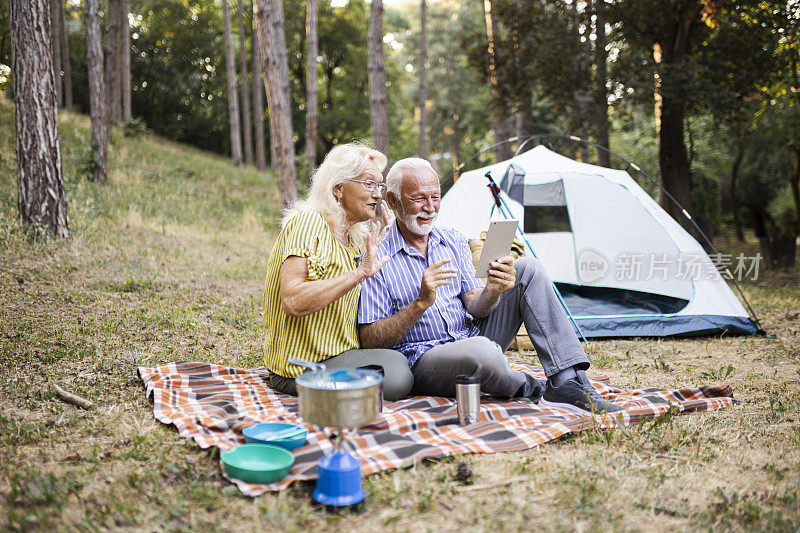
371	185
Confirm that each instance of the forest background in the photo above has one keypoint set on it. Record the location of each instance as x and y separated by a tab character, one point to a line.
727	89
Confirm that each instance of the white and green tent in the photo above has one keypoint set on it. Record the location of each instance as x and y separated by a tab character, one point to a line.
623	266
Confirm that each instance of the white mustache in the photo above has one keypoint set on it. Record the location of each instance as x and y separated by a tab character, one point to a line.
426	216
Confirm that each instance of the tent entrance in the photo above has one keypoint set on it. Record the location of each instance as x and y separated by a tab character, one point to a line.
587	301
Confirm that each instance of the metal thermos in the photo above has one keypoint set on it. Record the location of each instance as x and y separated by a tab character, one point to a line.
468	399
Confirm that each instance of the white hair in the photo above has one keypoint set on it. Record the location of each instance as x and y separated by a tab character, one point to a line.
343	163
401	169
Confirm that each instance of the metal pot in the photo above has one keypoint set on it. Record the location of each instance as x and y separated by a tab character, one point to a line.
344	398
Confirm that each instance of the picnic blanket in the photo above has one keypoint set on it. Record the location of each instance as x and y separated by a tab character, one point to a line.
212	404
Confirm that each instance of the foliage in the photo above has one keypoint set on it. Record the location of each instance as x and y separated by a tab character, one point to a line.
724	81
178	71
5	48
453	88
544	64
135	127
721	88
736	83
343	88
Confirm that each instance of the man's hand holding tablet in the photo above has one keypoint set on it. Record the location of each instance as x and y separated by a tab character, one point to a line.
498	243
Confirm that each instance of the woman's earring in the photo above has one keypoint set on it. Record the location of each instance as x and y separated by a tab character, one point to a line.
338	201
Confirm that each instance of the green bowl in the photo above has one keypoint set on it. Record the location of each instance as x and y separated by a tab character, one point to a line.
258	463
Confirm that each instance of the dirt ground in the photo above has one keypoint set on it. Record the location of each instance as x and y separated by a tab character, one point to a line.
69	318
167	263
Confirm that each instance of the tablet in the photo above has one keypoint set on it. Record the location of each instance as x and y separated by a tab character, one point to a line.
498	243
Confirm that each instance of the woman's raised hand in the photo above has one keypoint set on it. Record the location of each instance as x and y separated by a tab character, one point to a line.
387	216
370	264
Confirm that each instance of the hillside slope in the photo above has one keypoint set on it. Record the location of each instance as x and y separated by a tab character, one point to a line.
160	195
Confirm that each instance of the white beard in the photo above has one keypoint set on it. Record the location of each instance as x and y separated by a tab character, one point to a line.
410	222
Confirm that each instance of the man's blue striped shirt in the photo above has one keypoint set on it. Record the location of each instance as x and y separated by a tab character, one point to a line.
397	284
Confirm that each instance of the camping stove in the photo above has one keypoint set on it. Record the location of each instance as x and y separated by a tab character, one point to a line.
345	399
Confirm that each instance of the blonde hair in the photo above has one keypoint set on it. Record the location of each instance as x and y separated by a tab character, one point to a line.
343	163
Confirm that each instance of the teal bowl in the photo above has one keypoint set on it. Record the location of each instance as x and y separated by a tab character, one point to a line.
258	463
265	433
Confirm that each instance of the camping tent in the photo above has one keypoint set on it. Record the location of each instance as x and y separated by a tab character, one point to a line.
623	266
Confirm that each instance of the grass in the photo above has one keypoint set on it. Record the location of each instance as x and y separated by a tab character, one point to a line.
167	262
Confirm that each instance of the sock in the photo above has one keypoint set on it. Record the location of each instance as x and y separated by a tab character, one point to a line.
562	376
533	389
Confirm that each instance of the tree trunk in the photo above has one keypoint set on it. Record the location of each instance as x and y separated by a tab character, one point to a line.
451	68
379	122
504	130
273	150
97	97
501	122
524	121
125	59
423	96
258	101
55	41
113	65
581	97
311	83
795	182
276	67
65	62
674	161
672	156
40	184
600	91
737	222
248	136
456	144
233	100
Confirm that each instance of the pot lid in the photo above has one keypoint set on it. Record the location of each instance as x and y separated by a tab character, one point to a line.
339	379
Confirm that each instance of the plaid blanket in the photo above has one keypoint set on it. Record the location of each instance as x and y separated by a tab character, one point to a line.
212	404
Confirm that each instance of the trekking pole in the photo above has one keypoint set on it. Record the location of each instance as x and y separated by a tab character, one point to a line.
506	212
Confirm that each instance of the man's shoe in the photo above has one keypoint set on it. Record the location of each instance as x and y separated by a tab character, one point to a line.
533	388
578	396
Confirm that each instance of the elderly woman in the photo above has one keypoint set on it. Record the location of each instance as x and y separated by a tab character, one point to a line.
314	278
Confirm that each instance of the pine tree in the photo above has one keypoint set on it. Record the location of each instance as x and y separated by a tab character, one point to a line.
97	96
276	67
379	123
246	124
311	83
41	201
233	100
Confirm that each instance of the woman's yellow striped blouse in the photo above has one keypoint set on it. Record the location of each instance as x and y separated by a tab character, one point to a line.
329	331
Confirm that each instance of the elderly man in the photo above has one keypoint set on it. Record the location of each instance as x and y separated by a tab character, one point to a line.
426	303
